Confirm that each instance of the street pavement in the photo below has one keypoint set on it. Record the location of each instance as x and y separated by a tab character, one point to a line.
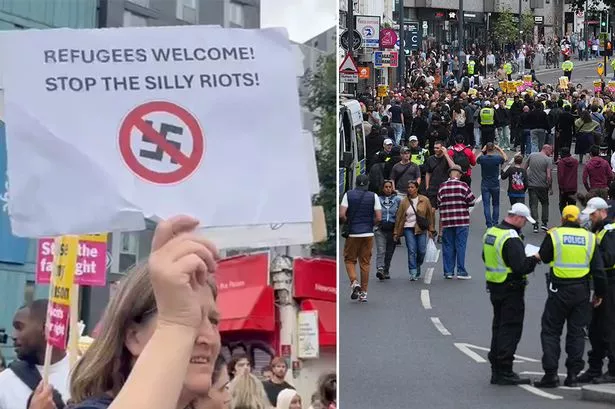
425	343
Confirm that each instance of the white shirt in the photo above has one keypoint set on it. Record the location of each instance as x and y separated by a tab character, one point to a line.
14	393
613	162
377	206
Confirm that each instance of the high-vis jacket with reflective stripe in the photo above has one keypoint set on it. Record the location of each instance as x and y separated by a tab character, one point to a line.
486	116
496	271
573	249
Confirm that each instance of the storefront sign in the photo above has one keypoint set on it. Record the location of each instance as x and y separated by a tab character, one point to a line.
369	27
413	36
315	279
452	15
539	20
388	38
364	73
243	271
307	335
386	59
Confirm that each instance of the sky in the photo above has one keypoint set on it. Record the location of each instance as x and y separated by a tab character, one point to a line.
303	19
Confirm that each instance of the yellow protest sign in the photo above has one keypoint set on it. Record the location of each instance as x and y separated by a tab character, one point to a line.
611	86
383	90
563	82
503	85
597	86
472	91
97	238
64	272
600	69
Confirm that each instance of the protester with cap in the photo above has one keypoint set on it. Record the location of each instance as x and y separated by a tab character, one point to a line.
506	270
360	210
454	201
571	253
486	119
389	155
404	172
601	328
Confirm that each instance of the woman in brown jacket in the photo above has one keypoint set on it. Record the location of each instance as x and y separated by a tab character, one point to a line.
414	221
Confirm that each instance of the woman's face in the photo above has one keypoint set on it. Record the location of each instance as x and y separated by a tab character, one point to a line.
205	350
219	396
412	190
295	403
388	188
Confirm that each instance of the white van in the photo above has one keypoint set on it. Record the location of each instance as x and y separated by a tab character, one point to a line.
352	145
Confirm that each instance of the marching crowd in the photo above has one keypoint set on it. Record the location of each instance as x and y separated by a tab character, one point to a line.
422	144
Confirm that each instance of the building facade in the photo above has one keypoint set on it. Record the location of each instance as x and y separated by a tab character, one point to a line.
225	13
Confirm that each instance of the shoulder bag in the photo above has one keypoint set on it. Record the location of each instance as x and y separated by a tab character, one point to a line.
421	221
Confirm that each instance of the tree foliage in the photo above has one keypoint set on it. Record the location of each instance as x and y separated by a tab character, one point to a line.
527	26
323	103
505	30
579	5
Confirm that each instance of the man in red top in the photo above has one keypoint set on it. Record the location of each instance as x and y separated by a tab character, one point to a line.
464	157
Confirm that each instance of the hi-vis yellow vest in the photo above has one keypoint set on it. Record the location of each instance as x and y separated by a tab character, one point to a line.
471	67
606	229
566	103
509	103
573	249
567	66
486	116
493	243
508	68
613	64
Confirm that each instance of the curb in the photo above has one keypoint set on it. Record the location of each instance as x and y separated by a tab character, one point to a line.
599	393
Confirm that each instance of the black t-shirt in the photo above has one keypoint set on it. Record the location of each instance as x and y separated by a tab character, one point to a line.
438	167
395	111
273	389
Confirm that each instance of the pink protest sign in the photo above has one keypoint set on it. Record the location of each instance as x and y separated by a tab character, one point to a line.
57	325
91	261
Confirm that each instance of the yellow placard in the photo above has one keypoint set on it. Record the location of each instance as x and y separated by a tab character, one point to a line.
600	69
64	269
563	82
527	79
98	238
472	91
512	87
383	90
503	85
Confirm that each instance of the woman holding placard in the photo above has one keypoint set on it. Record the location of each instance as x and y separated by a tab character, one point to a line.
159	337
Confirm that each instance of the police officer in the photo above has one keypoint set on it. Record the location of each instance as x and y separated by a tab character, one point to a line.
567	67
508	70
506	269
419	156
486	119
601	335
613	66
571	252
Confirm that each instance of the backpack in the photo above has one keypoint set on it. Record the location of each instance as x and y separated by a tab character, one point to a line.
29	375
460	158
461	119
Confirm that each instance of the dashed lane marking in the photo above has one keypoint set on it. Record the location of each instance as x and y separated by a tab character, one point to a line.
429	274
438	324
539	392
464	348
425	299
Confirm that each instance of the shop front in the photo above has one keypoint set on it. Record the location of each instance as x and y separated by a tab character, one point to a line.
315	293
247	306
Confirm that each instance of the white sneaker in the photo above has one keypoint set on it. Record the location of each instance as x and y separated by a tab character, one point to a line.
468	277
363	296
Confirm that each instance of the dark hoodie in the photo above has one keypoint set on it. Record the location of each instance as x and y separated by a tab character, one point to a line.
597	174
567	174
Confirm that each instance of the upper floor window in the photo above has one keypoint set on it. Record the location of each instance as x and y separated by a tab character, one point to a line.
187	10
236	14
134	20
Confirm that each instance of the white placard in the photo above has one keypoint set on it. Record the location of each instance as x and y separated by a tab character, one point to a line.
369	27
307	335
531	250
152	121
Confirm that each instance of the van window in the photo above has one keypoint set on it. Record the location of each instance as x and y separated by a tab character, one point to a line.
347	133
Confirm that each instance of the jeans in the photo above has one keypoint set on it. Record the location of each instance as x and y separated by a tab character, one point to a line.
399	130
514	200
417	247
503	137
491	198
385	247
567	198
454	240
538	139
526	142
539	194
476	136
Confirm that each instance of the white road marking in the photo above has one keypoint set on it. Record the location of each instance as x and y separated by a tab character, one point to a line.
540	392
539	373
436	321
569	388
464	348
518	358
429	274
425	299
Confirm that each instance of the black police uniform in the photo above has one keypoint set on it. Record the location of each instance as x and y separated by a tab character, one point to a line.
508	303
602	326
567	302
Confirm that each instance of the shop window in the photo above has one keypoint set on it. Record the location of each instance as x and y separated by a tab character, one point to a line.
129	250
28	292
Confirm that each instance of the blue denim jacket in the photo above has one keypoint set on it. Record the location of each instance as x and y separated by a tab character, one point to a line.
390	204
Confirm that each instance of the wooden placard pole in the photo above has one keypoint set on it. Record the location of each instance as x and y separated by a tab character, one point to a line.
73	340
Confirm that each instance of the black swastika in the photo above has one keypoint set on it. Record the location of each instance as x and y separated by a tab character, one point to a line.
165	129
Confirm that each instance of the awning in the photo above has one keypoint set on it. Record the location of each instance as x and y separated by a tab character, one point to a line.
327	320
247	309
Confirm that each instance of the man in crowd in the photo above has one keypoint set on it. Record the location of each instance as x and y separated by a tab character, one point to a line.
454	200
490	160
404	171
539	177
360	210
277	383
